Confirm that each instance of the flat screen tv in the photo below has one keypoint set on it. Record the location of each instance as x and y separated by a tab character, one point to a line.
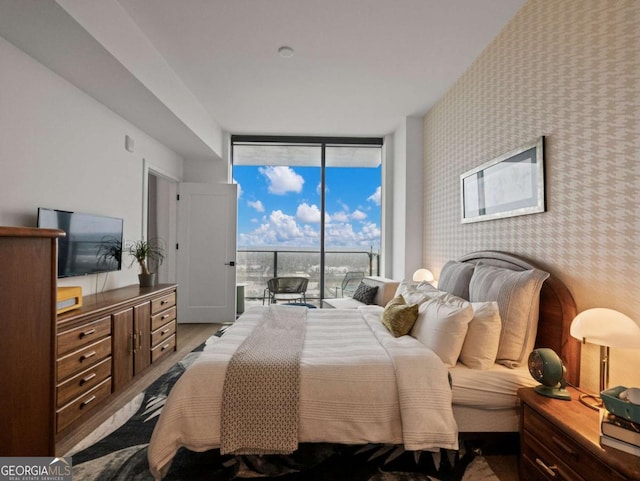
93	243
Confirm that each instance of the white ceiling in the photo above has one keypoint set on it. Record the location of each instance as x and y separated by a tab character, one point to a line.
186	70
359	68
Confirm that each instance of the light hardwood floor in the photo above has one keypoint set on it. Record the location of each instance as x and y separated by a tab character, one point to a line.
189	337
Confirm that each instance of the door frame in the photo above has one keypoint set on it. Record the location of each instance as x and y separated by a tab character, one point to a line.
148	168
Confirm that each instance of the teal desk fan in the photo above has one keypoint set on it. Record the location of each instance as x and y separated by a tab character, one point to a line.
546	367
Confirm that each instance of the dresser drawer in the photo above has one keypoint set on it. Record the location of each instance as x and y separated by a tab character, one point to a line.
82	382
574	456
162	303
547	465
163	348
81	405
81	336
83	358
163	333
159	320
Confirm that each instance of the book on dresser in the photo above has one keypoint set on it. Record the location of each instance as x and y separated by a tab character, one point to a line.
619	433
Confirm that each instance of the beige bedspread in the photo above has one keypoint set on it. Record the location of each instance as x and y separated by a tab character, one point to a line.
358	384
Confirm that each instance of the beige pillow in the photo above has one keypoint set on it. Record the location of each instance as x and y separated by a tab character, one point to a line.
480	347
399	317
518	297
442	326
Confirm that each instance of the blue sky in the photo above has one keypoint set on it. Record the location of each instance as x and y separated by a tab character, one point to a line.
280	206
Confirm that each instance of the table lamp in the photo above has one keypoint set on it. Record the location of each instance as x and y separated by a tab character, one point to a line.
423	275
606	328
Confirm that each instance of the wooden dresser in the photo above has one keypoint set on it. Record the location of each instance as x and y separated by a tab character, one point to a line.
105	344
28	260
57	369
560	440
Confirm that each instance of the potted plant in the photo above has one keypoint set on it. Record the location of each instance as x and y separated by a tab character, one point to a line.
144	251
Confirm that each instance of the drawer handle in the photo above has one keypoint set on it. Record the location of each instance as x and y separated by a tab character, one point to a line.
84	403
163	302
166	346
85	380
550	470
164	317
87	333
564	446
88	355
162	333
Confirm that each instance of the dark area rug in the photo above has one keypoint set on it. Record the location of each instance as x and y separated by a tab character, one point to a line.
117	451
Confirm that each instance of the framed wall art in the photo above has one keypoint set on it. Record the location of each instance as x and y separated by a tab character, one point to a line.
507	186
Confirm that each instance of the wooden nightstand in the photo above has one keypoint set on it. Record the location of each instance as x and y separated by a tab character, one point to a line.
561	440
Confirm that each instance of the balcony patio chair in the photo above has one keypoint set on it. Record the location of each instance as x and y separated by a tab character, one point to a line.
350	283
288	289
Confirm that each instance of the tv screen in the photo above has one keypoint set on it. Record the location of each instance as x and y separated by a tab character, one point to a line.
93	243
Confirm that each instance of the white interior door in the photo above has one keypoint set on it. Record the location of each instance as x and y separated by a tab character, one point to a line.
207	252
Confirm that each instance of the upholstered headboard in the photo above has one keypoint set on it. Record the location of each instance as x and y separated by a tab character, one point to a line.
557	310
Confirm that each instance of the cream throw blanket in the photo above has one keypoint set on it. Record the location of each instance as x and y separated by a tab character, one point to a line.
260	398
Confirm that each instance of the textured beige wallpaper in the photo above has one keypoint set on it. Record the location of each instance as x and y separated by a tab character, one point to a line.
569	70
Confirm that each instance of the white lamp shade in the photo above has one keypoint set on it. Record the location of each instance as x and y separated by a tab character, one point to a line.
423	275
606	327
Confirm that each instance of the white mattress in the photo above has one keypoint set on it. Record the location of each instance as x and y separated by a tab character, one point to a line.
490	389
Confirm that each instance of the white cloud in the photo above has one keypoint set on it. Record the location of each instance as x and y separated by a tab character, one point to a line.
282	230
285	226
310	214
239	187
376	196
340	217
282	179
279	229
370	233
257	205
358	215
340	234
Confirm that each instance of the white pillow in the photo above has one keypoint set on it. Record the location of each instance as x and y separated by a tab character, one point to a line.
480	347
417	293
442	326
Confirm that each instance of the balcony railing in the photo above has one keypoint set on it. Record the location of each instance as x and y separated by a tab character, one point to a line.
255	267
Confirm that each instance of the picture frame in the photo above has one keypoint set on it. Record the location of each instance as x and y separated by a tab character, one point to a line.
507	186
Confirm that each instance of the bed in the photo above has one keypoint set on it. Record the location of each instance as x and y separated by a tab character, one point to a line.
485	401
361	384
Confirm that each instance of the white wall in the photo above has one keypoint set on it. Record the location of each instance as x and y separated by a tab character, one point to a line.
406	226
206	170
109	23
386	212
60	148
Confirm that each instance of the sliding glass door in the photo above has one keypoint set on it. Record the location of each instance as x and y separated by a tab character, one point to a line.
307	207
352	216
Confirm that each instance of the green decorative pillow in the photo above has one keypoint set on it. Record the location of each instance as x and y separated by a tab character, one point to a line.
399	317
365	294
